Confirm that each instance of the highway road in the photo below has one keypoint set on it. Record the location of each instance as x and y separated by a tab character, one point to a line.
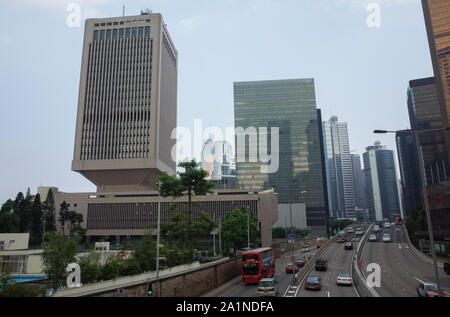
243	290
339	261
400	268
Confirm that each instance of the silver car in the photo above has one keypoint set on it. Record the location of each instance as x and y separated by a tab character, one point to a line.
344	279
268	287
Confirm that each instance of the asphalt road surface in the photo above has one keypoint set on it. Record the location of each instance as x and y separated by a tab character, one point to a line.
284	279
400	268
339	261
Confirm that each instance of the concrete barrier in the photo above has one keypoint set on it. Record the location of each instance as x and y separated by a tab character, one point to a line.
359	279
190	280
417	252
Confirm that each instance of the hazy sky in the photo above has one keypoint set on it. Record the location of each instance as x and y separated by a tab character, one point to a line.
361	72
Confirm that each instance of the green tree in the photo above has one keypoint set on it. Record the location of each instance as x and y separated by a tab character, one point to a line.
25	219
340	224
19	209
58	252
417	222
90	268
178	230
10	289
8	206
49	212
9	221
74	221
36	221
63	216
235	229
192	182
145	254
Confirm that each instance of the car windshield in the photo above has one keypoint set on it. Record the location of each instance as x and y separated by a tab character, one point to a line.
344	275
266	284
386	236
431	288
313	279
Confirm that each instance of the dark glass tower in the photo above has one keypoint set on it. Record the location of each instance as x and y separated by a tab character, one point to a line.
382	195
290	106
409	171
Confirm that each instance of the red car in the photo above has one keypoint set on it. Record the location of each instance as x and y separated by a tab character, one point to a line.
429	290
300	262
290	269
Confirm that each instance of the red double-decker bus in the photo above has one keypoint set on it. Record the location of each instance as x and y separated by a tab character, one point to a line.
257	264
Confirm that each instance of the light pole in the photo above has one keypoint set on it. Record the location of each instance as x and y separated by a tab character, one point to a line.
248	228
424	190
158	230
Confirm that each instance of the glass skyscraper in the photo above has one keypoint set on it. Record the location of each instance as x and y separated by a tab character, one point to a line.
338	163
290	107
382	192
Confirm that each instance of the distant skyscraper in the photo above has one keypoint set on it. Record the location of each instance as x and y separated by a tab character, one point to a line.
127	106
218	160
359	182
338	162
437	21
382	194
409	171
290	106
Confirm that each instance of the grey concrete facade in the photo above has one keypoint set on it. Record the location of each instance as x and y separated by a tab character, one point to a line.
130	214
127	105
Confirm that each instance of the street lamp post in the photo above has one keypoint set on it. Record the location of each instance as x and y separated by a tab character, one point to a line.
158	231
248	229
424	191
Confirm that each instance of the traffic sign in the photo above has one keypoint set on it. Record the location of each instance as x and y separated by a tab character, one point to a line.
291	238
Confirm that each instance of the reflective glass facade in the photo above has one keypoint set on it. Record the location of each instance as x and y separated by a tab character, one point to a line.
289	105
424	114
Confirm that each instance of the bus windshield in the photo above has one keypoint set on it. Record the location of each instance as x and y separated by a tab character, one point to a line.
249	257
251	268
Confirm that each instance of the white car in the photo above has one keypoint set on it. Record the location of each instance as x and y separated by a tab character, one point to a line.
268	287
387	225
359	231
350	230
344	279
386	237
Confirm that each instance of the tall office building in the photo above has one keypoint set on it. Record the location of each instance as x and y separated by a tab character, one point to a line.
126	112
382	193
359	182
338	163
424	114
410	175
290	107
127	105
437	21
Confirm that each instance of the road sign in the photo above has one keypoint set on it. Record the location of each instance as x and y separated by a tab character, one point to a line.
291	238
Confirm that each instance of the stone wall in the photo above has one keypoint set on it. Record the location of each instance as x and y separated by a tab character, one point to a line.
190	284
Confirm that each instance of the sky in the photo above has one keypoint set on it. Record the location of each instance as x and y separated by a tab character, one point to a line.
361	72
